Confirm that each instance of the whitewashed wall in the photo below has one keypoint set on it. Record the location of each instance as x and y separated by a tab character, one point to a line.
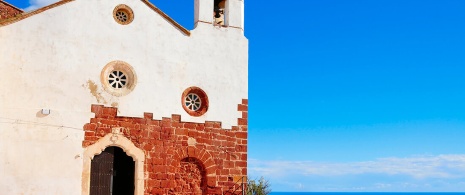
53	59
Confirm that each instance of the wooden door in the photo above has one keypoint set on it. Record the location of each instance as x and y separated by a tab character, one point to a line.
101	176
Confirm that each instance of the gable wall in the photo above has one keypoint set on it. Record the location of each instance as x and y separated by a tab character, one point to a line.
53	60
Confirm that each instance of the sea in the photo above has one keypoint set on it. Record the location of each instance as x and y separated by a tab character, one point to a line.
367	193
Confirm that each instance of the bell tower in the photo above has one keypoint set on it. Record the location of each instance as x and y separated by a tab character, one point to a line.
224	13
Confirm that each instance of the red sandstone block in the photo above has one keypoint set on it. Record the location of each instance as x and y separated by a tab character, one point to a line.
234	128
245	115
229	164
241	107
245	101
89	133
209	124
153	122
241	148
168	130
241	163
90	126
181	132
191	152
153	183
243	128
241	121
166	122
157	191
148	147
152	175
129	125
215	190
192	133
164	184
241	135
139	121
91	138
171	169
94	108
200	127
155	136
212	169
190	125
224	172
235	171
110	111
211	181
243	157
162	176
209	163
176	118
216	124
244	171
109	122
146	127
148	115
244	142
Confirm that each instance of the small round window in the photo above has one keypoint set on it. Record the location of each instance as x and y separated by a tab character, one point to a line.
195	101
123	14
118	78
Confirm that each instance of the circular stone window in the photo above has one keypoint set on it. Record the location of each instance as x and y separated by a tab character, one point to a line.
195	101
118	78
123	14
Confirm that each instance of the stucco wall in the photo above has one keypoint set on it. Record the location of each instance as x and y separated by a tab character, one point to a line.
53	60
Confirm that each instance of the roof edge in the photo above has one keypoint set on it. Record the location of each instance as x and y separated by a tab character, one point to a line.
11	5
40	10
173	22
29	14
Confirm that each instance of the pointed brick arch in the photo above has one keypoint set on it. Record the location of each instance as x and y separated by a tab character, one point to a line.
116	138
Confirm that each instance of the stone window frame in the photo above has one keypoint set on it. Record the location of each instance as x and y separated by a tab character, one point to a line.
121	66
122	8
116	138
203	99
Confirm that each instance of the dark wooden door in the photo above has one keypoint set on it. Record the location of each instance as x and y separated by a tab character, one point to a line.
112	173
101	177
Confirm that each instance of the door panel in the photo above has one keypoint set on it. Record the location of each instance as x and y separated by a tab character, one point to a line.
101	177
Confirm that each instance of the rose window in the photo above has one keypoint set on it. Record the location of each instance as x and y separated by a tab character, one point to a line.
193	102
122	16
117	79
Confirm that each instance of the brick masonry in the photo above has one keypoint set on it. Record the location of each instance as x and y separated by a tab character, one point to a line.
180	157
8	11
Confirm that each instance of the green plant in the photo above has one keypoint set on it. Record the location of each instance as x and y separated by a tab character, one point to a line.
259	187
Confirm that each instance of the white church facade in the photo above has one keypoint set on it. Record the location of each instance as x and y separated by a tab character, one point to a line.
115	97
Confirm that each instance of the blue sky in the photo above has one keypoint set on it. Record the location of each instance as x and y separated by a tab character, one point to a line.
352	95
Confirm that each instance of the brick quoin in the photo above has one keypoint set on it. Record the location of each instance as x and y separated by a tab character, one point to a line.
180	157
8	11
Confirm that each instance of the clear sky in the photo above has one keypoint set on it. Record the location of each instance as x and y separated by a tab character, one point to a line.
352	95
